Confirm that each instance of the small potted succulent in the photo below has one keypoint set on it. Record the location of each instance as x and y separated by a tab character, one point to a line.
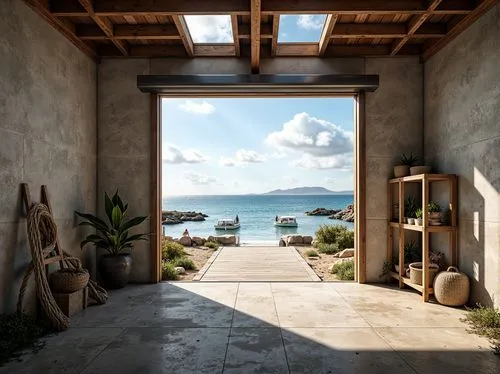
114	267
434	213
403	169
418	215
410	209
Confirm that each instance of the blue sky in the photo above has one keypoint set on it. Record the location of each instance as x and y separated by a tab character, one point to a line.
239	146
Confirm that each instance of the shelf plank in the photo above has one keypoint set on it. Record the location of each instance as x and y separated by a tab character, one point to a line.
407	281
409	227
420	177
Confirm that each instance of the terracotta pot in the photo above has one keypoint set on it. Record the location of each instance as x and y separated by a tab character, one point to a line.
401	171
435	216
115	270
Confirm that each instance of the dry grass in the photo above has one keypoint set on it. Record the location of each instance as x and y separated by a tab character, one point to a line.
321	265
199	257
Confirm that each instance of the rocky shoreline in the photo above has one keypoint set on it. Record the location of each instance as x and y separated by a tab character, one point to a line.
174	217
346	214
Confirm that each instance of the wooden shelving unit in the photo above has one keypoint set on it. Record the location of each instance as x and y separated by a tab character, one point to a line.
425	180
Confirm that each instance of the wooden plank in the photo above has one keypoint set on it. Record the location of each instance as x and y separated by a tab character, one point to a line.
255	12
297	49
326	33
414	25
360	191
155	189
401	254
274	41
62	25
367	50
236	38
266	31
217	50
130	32
458	27
425	238
385	30
156	50
183	30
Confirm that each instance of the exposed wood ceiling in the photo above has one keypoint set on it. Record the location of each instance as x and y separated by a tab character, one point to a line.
157	28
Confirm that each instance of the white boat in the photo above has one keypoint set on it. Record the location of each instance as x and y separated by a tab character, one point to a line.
227	224
286	221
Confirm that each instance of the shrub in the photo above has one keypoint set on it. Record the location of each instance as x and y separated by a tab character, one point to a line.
212	245
329	249
485	322
171	250
168	271
311	253
338	234
344	270
185	262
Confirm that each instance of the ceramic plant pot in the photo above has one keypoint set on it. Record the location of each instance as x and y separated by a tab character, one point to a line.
421	169
115	270
411	221
401	171
418	221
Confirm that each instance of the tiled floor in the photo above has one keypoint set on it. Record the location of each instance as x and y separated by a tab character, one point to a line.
263	328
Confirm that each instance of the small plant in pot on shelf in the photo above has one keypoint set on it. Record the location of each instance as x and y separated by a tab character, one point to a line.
418	215
434	213
403	169
410	209
115	239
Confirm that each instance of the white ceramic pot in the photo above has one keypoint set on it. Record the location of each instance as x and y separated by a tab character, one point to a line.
418	221
401	171
411	221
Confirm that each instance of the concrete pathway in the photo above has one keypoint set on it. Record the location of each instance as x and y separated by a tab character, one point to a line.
293	327
258	263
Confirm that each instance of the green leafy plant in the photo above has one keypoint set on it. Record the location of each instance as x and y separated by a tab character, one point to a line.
433	207
340	235
113	237
418	213
184	262
328	249
168	271
410	207
212	245
387	267
311	253
344	270
171	250
485	322
408	160
412	252
19	331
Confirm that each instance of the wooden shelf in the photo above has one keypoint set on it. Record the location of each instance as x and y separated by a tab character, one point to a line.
407	226
407	281
420	178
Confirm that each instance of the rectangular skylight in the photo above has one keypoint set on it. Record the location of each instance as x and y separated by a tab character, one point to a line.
210	29
303	28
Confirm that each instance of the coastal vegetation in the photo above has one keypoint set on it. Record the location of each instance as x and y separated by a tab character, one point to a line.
344	270
184	262
211	245
311	253
485	321
339	235
168	271
173	255
329	249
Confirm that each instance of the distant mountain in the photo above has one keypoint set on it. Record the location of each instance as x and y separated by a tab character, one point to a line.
307	191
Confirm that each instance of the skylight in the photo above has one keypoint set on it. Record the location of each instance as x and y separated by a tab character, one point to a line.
305	28
210	29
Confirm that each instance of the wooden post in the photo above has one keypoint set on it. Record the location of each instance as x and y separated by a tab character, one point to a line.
425	239
401	252
155	190
360	188
453	221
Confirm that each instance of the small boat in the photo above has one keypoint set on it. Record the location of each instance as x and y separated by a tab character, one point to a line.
286	221
228	224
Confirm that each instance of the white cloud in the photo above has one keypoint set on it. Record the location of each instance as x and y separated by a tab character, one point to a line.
227	162
310	21
199	179
210	29
197	107
249	156
312	136
341	162
173	155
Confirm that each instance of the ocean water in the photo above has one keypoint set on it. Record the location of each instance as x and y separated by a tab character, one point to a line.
256	214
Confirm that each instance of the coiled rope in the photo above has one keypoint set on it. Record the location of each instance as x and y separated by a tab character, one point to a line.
42	235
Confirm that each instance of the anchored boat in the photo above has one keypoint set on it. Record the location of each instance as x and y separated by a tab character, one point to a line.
228	224
285	221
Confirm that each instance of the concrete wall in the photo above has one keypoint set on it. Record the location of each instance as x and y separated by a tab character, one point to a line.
47	135
462	136
394	109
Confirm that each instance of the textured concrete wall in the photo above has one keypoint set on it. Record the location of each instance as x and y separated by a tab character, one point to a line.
462	136
394	109
47	135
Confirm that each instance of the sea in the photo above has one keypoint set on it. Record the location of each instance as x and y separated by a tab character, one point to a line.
256	214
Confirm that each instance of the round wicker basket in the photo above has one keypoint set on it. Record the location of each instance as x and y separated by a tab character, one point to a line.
68	281
416	273
414	170
451	287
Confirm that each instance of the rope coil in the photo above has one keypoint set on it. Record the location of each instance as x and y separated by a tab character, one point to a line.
42	235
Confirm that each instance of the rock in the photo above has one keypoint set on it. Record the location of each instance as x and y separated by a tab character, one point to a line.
294	239
322	212
168	238
171	221
223	239
346	214
307	239
282	243
197	240
172	217
348	252
314	243
185	241
180	270
204	248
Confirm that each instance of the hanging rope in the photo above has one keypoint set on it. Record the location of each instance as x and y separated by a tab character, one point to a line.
42	235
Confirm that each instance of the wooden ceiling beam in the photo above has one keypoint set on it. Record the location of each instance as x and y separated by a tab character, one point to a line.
385	30
255	13
456	28
236	37
274	36
130	32
414	25
144	51
105	25
297	49
183	30
64	26
326	33
215	50
266	31
368	50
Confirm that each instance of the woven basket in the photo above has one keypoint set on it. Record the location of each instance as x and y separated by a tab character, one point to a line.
416	273
67	281
415	170
451	287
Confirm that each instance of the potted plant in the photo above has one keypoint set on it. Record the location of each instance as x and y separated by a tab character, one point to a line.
410	208
434	213
418	215
410	255
403	169
114	267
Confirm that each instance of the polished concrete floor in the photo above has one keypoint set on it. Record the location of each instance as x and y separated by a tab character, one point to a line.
283	327
257	263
